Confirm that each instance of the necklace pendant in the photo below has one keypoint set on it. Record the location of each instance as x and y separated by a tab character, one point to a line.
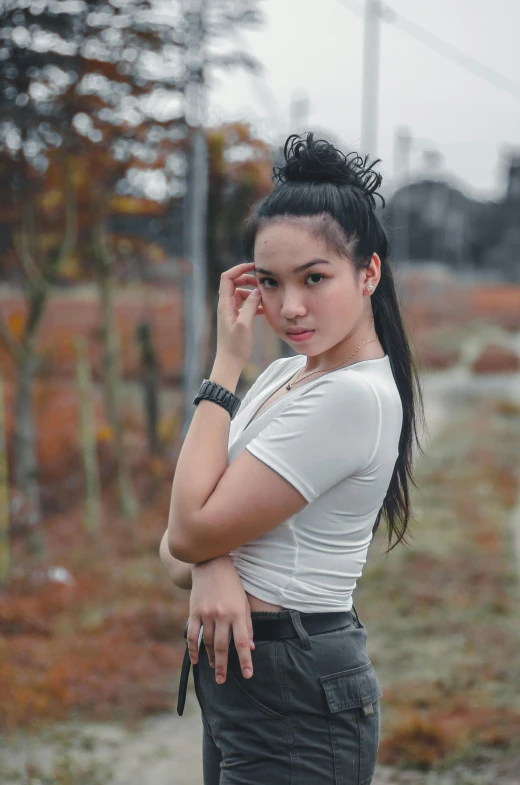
288	387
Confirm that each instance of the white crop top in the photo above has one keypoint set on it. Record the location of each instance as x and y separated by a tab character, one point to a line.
335	439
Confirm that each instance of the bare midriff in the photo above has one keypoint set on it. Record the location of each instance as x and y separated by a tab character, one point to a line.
259	605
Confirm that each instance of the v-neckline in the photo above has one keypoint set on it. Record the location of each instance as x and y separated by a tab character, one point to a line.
271	391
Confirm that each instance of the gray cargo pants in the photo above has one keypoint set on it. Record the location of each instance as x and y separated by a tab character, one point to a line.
309	715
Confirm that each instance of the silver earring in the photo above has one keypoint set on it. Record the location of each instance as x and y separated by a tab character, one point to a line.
370	287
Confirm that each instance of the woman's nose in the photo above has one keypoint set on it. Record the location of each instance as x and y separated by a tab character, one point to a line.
292	307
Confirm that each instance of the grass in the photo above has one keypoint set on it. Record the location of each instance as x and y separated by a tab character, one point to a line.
105	646
442	614
72	763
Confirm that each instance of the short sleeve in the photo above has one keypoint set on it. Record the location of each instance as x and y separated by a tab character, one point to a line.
325	434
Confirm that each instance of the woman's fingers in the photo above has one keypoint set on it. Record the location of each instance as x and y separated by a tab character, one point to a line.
217	646
230	278
194	625
242	635
241	295
221	648
249	624
246	280
209	635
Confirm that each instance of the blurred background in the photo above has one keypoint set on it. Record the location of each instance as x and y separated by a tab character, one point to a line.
135	135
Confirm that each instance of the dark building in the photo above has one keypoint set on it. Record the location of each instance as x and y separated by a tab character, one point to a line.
430	220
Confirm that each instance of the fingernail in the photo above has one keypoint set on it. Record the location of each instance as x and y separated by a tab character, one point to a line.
252	644
220	679
248	672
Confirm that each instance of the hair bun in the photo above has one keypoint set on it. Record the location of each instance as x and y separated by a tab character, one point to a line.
318	161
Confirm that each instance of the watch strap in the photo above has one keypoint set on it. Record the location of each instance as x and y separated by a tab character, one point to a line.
211	391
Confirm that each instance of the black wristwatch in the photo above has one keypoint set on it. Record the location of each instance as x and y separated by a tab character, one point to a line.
211	391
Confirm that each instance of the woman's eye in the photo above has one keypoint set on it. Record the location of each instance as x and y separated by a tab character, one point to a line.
312	275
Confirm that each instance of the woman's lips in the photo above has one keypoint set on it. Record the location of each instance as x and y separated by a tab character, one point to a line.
300	336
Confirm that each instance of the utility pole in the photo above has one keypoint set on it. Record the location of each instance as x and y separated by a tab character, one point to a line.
370	96
402	147
194	279
298	113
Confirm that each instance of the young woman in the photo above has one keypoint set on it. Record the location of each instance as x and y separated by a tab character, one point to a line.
273	510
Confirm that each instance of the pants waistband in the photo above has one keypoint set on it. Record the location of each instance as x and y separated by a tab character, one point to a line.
295	624
285	624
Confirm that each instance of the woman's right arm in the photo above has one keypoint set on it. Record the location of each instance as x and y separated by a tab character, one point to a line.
179	571
218	599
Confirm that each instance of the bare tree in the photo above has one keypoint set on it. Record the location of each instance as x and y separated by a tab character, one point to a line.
79	78
150	378
5	556
39	268
92	517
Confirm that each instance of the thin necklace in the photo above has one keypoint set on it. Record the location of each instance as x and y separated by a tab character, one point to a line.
291	384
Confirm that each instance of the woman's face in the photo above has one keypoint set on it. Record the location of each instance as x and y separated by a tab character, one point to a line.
325	297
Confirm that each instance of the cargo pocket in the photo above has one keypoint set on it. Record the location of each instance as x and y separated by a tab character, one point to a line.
352	699
263	686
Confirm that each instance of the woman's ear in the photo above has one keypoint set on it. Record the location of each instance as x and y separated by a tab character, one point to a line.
372	274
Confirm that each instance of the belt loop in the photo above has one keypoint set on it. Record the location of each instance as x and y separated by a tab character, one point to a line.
298	626
356	614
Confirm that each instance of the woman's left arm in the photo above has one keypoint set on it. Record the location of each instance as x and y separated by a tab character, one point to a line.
203	458
179	571
204	455
215	507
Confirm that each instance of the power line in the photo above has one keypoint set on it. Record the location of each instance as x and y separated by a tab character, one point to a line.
440	46
352	5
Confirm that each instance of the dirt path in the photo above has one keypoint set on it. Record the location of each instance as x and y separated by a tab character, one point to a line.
166	751
163	750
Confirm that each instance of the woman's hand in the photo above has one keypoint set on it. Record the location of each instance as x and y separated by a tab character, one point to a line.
234	324
219	603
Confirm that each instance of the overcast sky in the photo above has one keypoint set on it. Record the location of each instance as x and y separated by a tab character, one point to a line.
315	46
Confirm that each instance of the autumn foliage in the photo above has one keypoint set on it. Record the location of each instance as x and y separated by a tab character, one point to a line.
103	639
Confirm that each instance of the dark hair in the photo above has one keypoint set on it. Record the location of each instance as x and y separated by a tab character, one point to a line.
338	191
